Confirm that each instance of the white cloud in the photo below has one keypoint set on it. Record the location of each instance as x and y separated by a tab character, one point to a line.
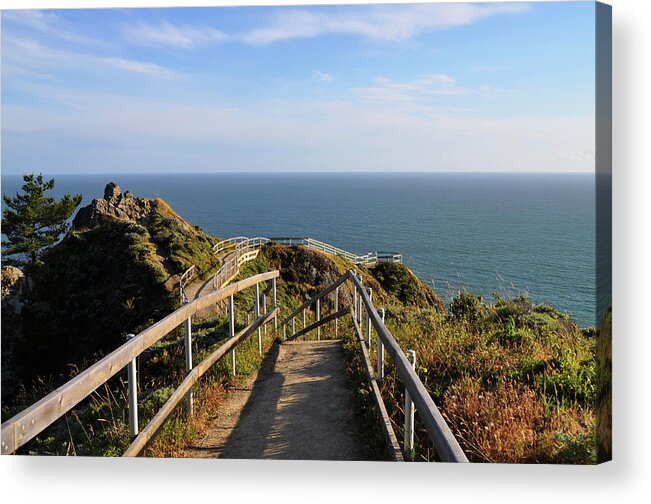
417	90
292	135
323	77
25	56
392	23
49	24
168	34
379	22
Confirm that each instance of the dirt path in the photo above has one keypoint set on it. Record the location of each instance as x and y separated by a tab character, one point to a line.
200	288
298	407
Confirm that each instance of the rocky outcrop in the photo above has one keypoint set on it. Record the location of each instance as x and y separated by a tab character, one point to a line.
114	206
14	289
14	293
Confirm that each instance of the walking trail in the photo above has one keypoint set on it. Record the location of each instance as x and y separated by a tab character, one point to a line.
297	407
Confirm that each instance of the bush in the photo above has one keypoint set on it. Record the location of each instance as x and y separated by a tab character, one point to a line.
468	307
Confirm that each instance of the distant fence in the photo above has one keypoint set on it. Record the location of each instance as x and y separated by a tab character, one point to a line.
243	249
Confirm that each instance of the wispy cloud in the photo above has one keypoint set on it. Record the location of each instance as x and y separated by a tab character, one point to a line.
297	135
392	23
50	25
23	56
427	86
168	34
386	23
322	77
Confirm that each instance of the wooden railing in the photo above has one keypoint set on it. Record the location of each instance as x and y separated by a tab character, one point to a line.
244	249
417	398
368	259
24	426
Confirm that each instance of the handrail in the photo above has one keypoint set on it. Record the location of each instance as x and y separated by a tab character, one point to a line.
385	421
244	244
22	427
447	447
368	259
147	435
319	323
316	296
187	275
445	443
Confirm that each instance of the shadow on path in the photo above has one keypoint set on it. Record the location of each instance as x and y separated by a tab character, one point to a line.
299	408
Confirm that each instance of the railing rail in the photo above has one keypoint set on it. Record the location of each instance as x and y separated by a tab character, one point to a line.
24	426
446	445
244	249
145	437
368	259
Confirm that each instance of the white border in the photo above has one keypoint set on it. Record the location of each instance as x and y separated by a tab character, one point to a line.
627	479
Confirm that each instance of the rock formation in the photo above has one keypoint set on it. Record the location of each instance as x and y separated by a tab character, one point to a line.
114	206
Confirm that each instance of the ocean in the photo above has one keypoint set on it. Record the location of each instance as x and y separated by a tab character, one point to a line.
483	232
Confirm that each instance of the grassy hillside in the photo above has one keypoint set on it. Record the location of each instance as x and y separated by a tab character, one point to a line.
515	380
102	282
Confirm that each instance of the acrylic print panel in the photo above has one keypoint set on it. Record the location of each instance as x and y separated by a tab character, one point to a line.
352	232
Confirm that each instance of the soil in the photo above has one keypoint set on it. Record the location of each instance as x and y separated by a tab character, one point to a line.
298	407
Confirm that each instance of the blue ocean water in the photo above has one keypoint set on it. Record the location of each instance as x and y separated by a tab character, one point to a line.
505	233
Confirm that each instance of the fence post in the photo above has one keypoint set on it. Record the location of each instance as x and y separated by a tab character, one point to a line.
354	296
275	300
318	317
133	395
336	310
231	328
188	358
359	302
284	331
368	319
380	351
409	412
264	309
256	314
303	318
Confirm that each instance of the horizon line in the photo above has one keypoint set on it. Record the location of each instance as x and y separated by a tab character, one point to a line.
320	172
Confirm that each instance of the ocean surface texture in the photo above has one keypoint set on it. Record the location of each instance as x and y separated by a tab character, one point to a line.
505	233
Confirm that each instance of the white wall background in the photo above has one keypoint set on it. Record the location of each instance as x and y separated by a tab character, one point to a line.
627	479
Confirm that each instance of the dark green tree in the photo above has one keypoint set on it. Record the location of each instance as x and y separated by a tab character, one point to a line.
33	221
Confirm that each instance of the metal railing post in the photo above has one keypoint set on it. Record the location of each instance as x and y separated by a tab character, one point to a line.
256	313
369	291
188	358
354	297
264	309
318	317
409	412
284	331
275	301
231	329
380	351
303	318
336	310
133	395
359	302
293	326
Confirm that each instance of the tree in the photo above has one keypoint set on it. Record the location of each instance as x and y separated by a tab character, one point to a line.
32	221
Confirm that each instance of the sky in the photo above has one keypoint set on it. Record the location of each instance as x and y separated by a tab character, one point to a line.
405	87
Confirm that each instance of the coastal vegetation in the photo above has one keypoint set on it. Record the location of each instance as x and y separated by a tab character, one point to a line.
515	380
33	221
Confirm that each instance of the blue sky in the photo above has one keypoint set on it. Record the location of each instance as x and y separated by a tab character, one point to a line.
421	87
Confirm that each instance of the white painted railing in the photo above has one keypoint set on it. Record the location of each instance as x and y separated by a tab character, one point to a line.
368	259
244	249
